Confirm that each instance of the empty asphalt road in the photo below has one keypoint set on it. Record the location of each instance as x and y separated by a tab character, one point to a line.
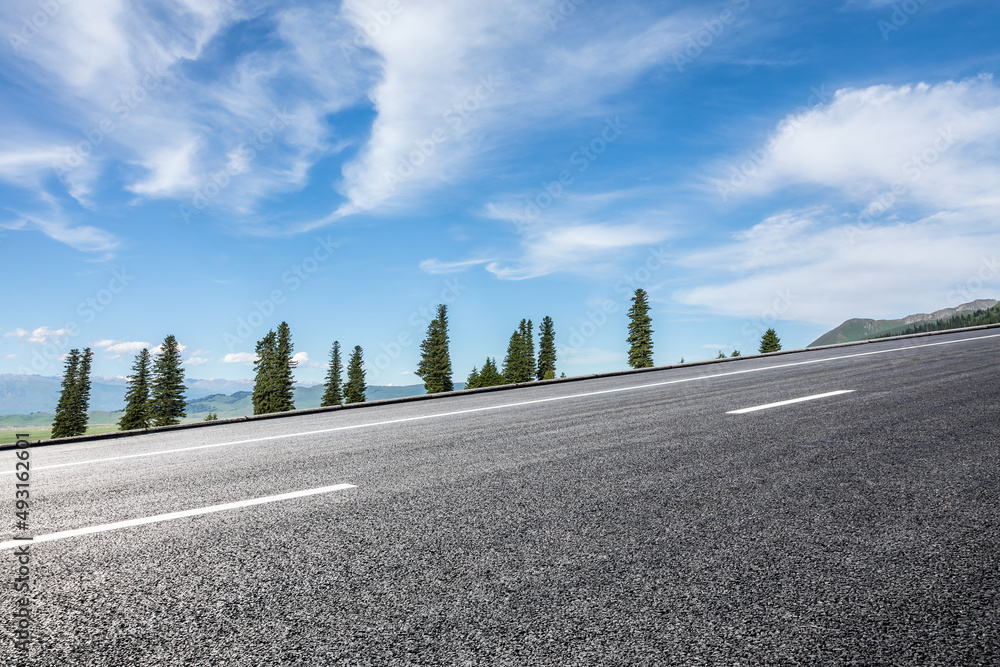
646	519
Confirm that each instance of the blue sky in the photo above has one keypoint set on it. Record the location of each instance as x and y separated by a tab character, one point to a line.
209	169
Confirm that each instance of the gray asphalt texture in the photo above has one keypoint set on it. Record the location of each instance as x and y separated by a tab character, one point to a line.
636	527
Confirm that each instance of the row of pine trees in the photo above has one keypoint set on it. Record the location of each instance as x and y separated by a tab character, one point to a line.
154	397
155	393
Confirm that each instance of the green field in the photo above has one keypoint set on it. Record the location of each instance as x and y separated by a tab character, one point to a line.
9	435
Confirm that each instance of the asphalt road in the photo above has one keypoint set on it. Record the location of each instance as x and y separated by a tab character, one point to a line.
619	521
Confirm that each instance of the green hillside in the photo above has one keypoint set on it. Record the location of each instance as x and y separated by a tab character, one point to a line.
973	319
865	329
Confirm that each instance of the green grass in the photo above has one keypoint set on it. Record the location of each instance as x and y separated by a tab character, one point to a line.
9	436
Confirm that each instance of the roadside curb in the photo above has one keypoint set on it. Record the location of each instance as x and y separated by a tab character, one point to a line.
468	392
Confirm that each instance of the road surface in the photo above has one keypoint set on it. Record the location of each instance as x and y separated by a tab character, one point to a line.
633	520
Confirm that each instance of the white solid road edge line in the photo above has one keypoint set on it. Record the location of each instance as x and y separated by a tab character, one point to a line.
11	544
789	402
698	378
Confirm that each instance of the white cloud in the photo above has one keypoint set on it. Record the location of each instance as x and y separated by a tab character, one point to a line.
196	361
805	266
12	356
81	237
908	179
579	356
247	358
22	165
483	73
585	248
435	266
939	144
459	78
40	336
302	359
170	171
118	73
116	349
153	351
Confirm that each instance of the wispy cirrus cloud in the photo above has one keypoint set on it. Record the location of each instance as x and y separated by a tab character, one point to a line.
435	266
458	80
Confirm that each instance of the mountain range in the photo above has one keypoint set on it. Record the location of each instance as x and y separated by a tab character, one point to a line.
864	329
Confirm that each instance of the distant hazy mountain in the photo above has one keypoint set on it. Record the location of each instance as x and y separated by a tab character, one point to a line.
864	329
23	394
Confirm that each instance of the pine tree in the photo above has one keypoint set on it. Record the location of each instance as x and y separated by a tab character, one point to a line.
82	393
640	332
62	426
167	403
137	395
489	376
472	382
769	342
514	367
722	355
735	353
354	391
546	350
265	374
435	360
528	340
284	383
333	394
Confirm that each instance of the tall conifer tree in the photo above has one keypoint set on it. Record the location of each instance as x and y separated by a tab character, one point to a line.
435	360
264	375
284	382
137	395
62	426
515	368
489	375
546	350
354	390
640	332
82	393
167	403
528	350
472	382
334	395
